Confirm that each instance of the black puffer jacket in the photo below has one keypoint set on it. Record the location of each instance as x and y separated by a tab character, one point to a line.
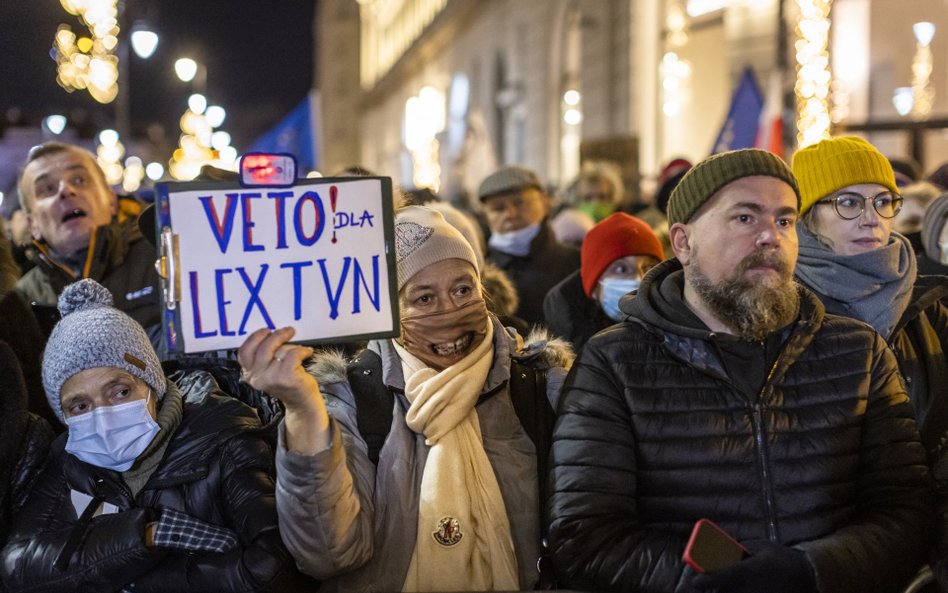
654	435
570	314
24	440
534	274
217	468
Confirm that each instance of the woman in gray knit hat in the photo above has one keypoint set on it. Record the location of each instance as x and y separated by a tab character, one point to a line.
144	491
415	467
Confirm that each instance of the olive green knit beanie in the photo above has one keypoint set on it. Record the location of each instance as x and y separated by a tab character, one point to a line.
706	178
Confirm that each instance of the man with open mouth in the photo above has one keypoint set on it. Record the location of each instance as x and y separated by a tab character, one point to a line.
81	229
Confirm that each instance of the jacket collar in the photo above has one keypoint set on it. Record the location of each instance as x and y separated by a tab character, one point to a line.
107	249
693	345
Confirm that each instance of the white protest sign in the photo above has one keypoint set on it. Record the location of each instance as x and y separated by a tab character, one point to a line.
317	256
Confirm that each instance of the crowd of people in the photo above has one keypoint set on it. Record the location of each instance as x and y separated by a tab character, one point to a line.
577	381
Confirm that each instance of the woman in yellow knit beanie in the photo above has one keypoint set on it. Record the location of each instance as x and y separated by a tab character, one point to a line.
859	267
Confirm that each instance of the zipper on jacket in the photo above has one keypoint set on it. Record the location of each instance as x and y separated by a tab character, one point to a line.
763	458
765	476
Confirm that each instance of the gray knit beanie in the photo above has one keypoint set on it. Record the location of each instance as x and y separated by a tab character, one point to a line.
934	221
92	334
423	237
709	176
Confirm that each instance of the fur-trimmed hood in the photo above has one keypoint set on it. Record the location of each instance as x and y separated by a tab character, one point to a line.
499	291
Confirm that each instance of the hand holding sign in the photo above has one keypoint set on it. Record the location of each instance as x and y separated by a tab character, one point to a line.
273	365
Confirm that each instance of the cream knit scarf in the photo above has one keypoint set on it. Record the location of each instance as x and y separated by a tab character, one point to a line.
463	541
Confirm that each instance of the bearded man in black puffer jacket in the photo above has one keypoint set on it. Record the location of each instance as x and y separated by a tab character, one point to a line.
729	394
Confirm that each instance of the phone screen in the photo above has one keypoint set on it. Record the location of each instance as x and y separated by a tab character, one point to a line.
710	548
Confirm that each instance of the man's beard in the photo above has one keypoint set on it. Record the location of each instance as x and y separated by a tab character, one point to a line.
753	310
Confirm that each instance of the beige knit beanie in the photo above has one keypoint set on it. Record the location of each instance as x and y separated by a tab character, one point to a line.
423	237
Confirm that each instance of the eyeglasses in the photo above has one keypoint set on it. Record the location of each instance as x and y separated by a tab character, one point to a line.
850	205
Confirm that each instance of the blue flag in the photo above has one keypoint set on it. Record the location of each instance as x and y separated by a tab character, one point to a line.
743	118
294	134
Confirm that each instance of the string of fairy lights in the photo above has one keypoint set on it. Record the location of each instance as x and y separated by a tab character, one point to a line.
813	74
87	61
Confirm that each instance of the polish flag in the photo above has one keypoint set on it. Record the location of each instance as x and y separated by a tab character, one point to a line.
770	128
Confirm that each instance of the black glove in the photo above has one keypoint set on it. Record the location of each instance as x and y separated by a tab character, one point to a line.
771	568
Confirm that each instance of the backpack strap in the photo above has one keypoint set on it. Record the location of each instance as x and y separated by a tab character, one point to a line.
536	415
374	402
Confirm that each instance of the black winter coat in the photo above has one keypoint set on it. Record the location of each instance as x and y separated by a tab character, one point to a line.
24	440
534	274
216	468
653	435
920	343
570	314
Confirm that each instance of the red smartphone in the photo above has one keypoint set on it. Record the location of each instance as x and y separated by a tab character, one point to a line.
710	548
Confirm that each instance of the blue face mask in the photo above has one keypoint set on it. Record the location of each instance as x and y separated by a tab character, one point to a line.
613	289
112	436
515	242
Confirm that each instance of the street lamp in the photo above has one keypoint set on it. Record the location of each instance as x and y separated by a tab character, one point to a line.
186	69
144	40
55	124
903	100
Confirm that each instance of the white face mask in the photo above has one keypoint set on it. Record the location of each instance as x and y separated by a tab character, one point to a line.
944	254
112	436
515	242
611	291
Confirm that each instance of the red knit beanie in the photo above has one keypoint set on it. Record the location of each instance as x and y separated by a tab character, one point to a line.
618	235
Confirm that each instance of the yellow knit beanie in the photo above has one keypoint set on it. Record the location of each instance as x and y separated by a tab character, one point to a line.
835	163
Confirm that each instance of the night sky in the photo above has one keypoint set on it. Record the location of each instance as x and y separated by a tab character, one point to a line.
259	58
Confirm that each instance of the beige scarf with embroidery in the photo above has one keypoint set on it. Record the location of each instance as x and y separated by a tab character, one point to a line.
463	541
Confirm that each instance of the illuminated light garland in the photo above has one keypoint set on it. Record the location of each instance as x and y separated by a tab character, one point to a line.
200	144
922	63
675	73
813	74
425	118
109	153
84	62
676	24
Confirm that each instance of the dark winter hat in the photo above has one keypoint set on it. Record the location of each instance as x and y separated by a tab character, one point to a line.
940	177
508	179
709	176
668	180
92	334
907	170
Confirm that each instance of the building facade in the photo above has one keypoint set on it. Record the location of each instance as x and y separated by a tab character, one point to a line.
437	93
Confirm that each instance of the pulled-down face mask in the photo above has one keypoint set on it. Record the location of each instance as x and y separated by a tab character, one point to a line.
442	338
